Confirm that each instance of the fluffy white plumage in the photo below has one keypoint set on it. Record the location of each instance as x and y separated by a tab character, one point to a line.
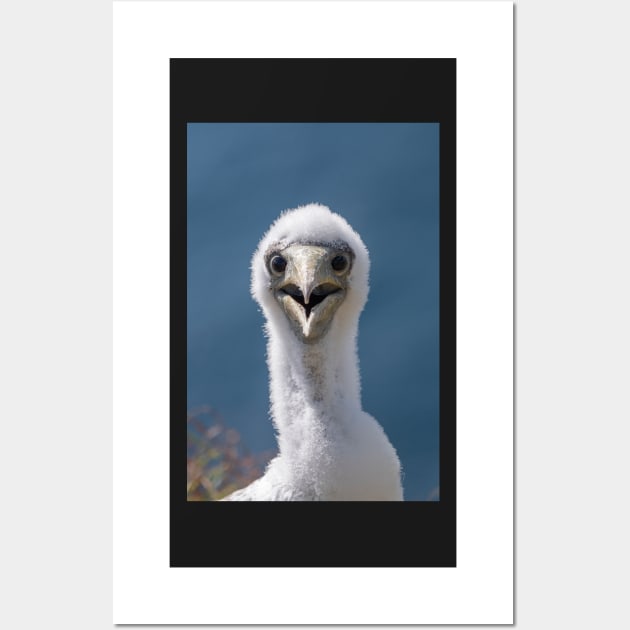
310	276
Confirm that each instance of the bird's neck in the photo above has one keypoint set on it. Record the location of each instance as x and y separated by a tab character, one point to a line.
315	388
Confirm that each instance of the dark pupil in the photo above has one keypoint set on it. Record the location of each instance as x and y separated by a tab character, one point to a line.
278	264
339	263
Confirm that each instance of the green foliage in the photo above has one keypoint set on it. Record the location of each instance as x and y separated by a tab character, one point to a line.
218	462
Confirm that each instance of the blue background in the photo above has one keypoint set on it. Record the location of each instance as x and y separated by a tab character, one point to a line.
384	179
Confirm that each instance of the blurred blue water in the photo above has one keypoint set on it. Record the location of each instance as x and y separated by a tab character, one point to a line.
383	178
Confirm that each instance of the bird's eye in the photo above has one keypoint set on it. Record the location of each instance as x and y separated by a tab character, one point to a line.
339	263
277	264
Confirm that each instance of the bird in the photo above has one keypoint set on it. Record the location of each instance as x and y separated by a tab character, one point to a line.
310	277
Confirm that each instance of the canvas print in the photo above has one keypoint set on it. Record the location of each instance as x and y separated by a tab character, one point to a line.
311	221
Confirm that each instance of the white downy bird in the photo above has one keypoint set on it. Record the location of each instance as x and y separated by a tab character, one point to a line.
310	276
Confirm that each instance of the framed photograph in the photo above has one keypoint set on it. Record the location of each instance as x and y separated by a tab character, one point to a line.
397	119
249	139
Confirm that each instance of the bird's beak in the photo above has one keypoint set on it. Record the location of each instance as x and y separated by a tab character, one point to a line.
310	292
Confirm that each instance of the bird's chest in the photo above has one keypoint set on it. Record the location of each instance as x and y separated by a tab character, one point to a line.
339	464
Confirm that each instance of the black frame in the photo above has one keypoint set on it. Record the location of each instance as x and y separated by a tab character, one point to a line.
256	534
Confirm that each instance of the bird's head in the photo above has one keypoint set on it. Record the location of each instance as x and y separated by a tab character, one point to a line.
311	268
